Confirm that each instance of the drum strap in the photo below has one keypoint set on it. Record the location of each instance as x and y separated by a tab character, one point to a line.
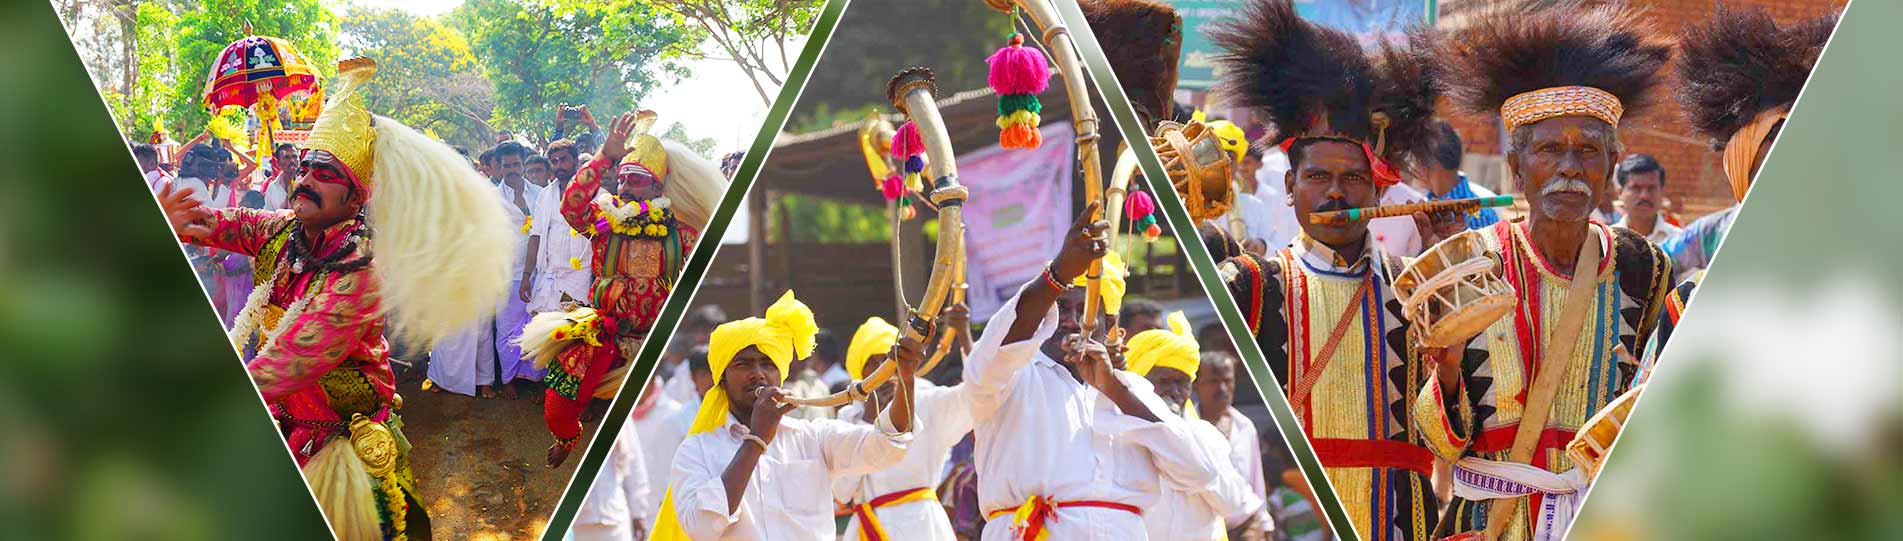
1555	357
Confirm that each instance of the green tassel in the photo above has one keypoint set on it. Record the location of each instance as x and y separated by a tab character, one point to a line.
1018	102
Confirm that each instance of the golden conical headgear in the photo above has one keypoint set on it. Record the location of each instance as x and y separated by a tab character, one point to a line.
344	128
644	151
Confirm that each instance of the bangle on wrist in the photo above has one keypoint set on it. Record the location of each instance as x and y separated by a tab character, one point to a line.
1051	281
755	439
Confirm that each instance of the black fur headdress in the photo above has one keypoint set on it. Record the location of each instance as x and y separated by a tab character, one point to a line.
1507	49
1318	82
1741	64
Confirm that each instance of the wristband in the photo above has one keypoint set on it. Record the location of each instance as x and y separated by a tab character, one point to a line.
1050	279
755	439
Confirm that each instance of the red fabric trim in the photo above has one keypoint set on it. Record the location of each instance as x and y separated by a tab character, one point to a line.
1501	438
1046	510
1353	453
866	533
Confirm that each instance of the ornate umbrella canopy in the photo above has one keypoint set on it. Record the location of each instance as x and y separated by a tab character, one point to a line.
255	66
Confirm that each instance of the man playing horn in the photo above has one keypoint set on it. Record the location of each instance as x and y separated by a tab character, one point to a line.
313	329
900	502
1068	447
745	469
1560	78
1169	359
1322	308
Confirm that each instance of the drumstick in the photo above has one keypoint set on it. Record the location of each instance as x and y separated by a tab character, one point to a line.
1406	209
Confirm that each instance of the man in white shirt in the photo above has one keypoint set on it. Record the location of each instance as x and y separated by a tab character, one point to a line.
559	261
148	158
665	425
277	190
1169	359
1641	187
1215	389
746	471
513	310
1399	235
617	506
1074	448
1269	189
901	502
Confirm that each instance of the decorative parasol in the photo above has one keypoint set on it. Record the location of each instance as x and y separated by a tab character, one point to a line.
255	72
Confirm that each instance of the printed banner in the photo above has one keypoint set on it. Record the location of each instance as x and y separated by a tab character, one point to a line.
1017	215
1367	18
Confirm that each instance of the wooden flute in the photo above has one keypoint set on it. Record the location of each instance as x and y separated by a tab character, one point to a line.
1408	209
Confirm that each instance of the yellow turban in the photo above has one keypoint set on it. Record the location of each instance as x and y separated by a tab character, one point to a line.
786	334
1111	286
1233	140
1175	348
874	337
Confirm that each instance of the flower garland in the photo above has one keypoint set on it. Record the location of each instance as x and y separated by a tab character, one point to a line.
248	318
650	218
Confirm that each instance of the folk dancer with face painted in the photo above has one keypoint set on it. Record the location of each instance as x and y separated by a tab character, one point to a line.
746	471
1222	510
901	502
1561	78
1322	309
639	238
1738	76
1068	446
430	255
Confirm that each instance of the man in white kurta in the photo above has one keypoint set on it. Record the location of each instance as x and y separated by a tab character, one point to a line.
618	506
1169	359
901	501
1215	392
748	471
562	261
1056	454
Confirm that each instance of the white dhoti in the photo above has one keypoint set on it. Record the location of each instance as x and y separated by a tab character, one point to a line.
466	359
550	284
1479	479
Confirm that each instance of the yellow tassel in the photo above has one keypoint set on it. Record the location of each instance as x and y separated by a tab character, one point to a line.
574	262
1025	118
527	221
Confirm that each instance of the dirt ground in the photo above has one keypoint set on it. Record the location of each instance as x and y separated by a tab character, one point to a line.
478	464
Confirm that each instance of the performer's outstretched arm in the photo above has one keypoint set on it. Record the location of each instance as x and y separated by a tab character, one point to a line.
236	229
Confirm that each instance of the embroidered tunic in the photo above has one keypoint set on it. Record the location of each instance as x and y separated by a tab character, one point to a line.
1355	410
332	360
1481	415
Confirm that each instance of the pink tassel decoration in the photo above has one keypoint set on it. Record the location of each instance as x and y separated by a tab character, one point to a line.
1138	205
893	187
907	142
1016	69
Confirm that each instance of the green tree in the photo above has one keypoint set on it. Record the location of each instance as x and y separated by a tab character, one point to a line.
952	37
704	146
430	79
542	54
754	34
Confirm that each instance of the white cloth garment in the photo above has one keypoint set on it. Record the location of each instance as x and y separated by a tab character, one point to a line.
466	359
1661	229
1204	513
680	385
661	432
1041	432
1479	479
619	496
1398	234
1272	190
1245	452
1248	219
784	499
558	253
944	418
276	196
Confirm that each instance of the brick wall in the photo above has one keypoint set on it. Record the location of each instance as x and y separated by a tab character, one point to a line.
1695	174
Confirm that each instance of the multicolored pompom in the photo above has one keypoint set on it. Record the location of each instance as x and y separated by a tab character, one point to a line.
1018	74
1140	209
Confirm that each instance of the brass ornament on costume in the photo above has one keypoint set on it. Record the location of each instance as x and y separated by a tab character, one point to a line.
375	445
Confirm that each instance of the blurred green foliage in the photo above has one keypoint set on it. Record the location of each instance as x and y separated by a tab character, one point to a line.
127	415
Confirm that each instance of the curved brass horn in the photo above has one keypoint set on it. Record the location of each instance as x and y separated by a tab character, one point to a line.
911	91
1063	51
